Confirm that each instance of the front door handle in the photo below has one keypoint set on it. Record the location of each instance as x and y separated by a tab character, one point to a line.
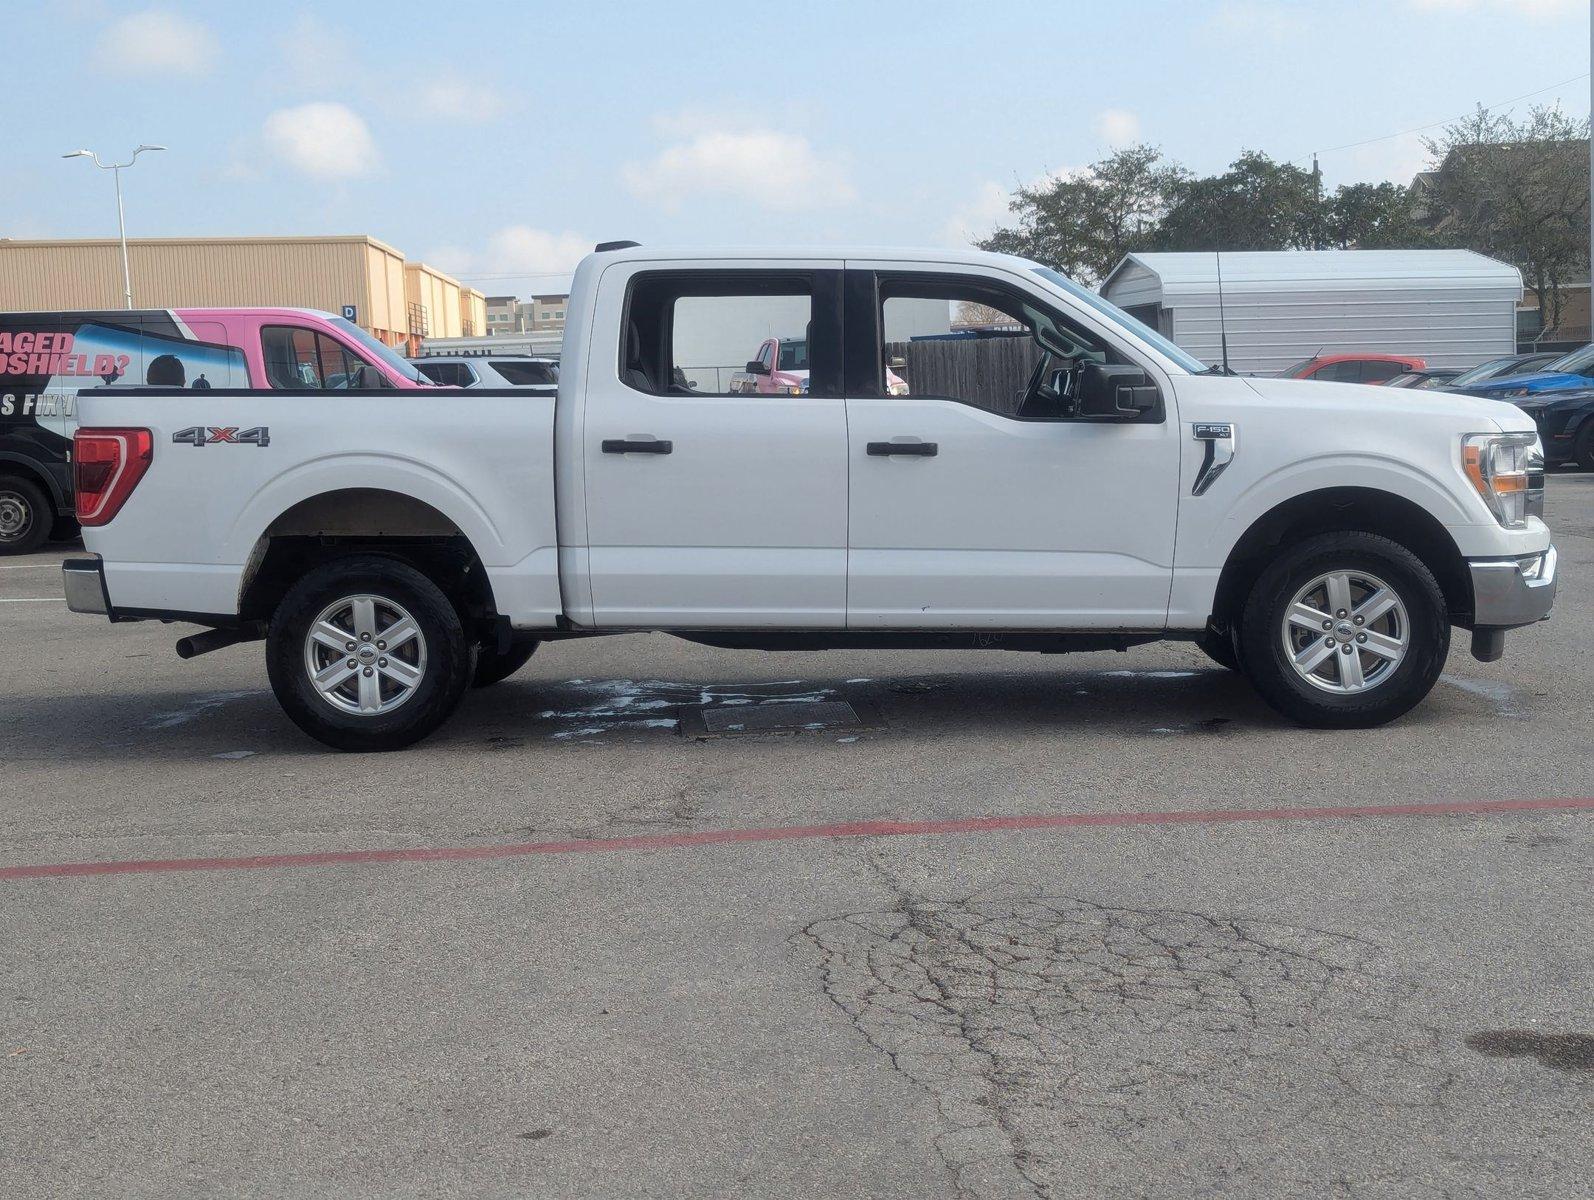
636	446
913	449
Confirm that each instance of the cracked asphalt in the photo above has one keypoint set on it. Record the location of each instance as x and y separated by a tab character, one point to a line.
1327	1007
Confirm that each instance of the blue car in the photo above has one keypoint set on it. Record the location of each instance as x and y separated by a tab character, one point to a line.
1568	373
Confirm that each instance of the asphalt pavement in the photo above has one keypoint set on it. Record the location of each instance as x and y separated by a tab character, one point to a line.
980	925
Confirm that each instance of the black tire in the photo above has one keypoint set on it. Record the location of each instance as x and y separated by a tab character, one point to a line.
493	667
26	515
1219	647
1262	650
446	670
1583	448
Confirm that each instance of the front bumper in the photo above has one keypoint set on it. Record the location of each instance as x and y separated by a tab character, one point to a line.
1508	592
84	582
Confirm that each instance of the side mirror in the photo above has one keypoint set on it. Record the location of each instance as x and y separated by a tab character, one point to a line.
1117	392
754	367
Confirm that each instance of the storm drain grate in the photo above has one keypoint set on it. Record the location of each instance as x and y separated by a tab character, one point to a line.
807	716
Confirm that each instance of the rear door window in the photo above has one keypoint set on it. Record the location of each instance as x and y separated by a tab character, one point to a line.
450	374
527	374
1375	371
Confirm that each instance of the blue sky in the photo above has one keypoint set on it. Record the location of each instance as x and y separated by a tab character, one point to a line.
502	150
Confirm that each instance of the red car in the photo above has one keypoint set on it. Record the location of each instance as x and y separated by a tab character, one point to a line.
1354	368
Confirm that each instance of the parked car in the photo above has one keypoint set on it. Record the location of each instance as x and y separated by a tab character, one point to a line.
46	358
781	369
1354	368
1570	372
491	371
1428	380
1566	425
1496	368
391	550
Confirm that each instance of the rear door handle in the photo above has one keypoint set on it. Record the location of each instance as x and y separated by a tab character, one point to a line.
637	446
914	449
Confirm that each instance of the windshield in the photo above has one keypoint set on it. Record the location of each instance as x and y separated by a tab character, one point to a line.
793	356
385	355
1123	320
1487	370
1579	362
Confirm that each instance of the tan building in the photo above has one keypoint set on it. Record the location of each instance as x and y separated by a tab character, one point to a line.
544	312
398	302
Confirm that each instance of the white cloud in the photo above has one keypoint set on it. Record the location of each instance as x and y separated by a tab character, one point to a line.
328	141
979	217
525	259
1117	126
452	98
775	170
157	41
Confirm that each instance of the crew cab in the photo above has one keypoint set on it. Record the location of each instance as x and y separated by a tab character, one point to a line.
47	358
1088	485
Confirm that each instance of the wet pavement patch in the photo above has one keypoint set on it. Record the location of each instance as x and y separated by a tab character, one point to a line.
1562	1051
777	716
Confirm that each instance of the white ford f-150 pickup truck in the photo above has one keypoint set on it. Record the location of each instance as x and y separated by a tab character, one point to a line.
1053	476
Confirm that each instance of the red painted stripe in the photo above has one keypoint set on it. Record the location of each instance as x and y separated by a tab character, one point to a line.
845	829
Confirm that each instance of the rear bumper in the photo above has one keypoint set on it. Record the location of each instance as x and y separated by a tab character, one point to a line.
84	583
1508	592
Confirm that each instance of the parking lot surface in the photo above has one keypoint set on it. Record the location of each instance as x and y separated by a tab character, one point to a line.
1028	926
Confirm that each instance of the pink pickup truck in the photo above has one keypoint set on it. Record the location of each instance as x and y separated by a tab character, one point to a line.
46	358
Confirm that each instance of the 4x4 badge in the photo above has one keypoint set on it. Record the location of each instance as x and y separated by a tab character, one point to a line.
223	435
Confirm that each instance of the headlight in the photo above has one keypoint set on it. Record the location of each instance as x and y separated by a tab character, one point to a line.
1508	393
1499	465
897	389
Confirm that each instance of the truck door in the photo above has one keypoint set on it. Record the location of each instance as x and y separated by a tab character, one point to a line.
706	507
976	499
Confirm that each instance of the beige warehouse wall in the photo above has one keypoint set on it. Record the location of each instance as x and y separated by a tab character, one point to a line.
324	273
441	296
472	312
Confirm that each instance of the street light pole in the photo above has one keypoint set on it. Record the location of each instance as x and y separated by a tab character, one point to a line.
121	217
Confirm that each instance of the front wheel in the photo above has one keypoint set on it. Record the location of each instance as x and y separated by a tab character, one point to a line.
366	653
1345	630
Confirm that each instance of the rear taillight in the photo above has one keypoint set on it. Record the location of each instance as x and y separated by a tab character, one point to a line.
109	464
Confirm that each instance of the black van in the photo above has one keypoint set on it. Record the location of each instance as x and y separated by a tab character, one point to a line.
45	360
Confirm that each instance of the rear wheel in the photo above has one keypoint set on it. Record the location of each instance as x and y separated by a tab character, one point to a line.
26	515
367	654
494	667
1345	630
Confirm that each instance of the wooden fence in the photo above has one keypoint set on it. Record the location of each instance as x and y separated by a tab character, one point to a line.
988	372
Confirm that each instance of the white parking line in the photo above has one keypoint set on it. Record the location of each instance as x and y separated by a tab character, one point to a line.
34	600
28	566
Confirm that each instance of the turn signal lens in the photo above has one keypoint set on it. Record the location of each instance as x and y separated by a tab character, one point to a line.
1499	465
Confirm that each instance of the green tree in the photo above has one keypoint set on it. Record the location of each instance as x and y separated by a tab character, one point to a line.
1517	190
1373	216
1257	204
1084	223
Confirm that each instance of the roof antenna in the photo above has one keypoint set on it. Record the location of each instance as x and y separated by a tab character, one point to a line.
1223	325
